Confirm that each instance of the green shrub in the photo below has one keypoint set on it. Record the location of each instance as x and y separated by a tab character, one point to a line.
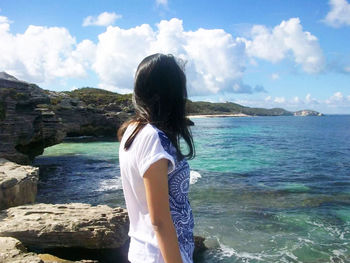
99	97
55	100
20	96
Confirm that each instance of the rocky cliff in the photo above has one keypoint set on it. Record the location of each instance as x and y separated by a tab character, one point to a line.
26	125
32	118
90	112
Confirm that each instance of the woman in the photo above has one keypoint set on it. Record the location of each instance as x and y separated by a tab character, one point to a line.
155	173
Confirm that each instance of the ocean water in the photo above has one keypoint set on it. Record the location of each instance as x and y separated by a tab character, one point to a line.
263	189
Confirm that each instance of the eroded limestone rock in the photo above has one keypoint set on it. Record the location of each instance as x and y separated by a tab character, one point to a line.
18	184
32	119
47	258
26	125
66	225
13	251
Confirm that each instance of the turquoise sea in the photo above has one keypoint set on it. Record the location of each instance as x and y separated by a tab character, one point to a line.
263	189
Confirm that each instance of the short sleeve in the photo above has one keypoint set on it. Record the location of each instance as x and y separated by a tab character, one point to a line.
152	150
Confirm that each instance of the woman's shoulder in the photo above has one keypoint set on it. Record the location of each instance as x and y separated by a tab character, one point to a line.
165	141
150	134
151	131
147	132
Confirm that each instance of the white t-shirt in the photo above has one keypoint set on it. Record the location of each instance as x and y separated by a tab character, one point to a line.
149	146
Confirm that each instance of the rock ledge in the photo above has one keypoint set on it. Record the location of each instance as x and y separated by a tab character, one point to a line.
18	184
66	225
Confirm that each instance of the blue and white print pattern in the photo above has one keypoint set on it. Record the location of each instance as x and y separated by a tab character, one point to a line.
180	208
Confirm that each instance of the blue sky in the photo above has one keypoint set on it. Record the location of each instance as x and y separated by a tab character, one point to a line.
290	54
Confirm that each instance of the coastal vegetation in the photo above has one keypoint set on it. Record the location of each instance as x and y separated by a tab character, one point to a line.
100	98
208	108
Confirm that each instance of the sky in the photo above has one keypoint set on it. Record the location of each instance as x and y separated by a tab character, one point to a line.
272	53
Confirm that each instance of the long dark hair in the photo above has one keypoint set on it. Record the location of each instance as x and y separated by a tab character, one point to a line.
159	98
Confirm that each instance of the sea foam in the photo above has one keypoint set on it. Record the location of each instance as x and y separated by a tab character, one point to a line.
111	184
228	252
194	176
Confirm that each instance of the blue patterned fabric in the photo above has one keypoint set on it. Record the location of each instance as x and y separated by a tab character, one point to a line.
180	208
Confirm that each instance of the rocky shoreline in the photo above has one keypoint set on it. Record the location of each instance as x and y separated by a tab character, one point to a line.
27	227
70	232
32	119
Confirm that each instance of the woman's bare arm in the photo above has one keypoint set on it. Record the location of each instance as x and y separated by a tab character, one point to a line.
157	194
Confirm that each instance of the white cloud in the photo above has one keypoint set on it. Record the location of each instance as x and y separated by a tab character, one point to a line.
275	76
268	98
215	60
162	2
4	20
118	53
310	100
337	103
279	100
296	101
42	54
292	103
288	37
103	19
339	15
336	98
